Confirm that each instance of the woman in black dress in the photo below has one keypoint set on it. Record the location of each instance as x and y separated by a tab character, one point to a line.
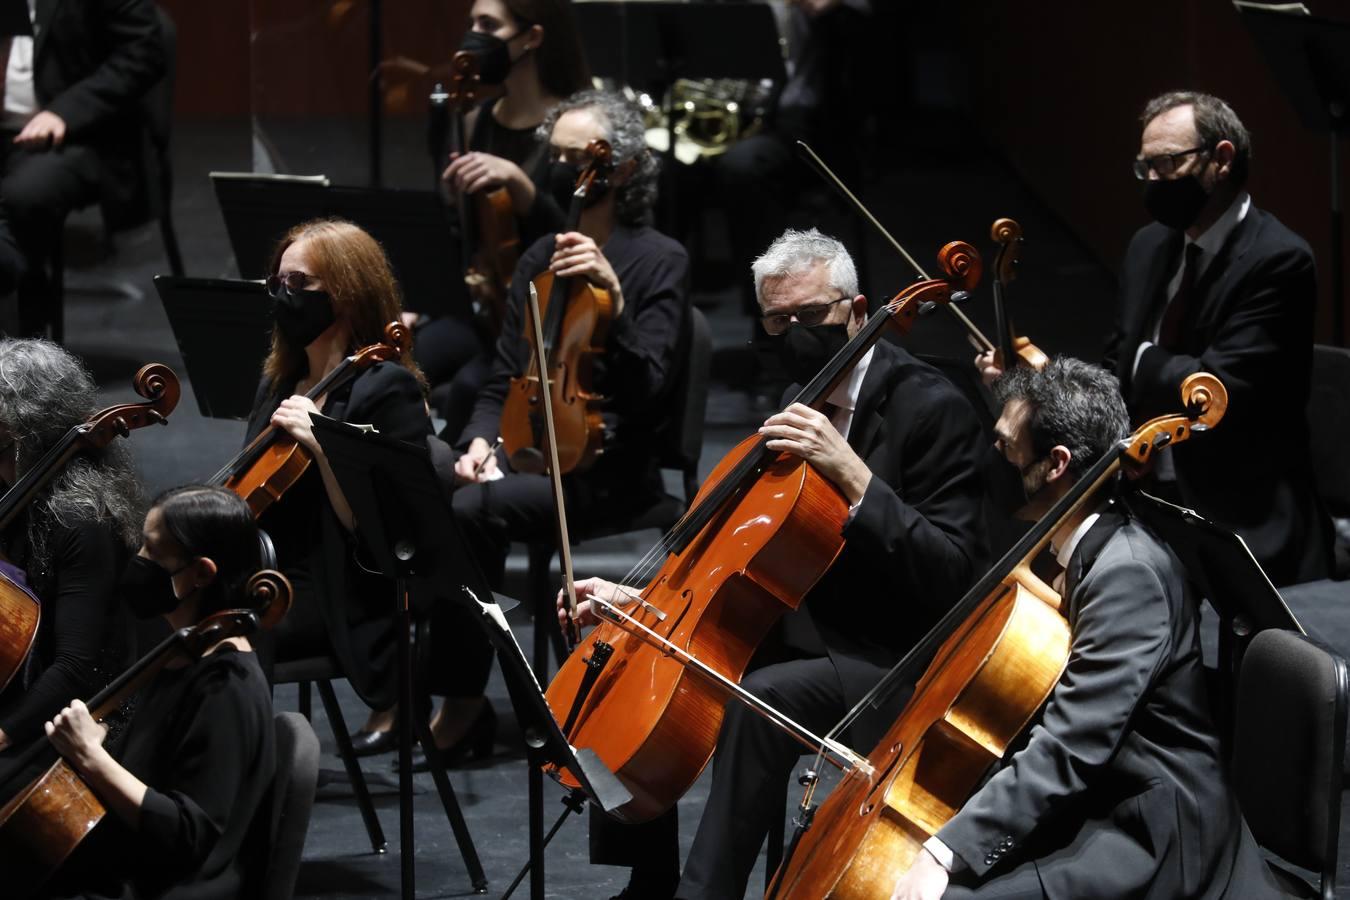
190	771
72	539
334	293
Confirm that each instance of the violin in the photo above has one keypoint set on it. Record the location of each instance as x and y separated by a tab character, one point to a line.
1012	348
19	608
996	657
576	321
649	693
489	239
43	824
273	462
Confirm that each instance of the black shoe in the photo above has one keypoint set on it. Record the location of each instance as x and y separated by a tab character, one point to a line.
642	886
476	743
373	743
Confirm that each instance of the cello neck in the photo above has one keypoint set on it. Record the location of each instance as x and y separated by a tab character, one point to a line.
1004	326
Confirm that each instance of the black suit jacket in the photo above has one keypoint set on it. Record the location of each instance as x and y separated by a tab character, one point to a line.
1119	792
1252	326
93	61
917	540
357	607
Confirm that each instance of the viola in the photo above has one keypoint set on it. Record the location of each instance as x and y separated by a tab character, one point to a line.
646	692
489	239
996	656
273	462
1012	348
43	824
19	608
576	315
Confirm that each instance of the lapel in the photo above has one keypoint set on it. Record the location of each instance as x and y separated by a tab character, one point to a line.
865	431
1161	268
44	12
1222	269
1086	553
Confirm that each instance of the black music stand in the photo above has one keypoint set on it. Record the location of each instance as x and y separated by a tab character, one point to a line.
215	322
1310	59
398	502
405	528
414	227
651	45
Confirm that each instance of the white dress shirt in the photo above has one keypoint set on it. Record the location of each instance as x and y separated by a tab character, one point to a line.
20	96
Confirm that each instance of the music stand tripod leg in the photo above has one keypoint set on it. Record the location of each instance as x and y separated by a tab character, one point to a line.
407	712
450	803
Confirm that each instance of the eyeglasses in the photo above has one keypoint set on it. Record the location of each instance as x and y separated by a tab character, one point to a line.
810	316
1164	164
294	282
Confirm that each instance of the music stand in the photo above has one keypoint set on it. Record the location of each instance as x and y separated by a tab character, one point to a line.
651	45
401	509
415	228
215	322
1310	59
402	522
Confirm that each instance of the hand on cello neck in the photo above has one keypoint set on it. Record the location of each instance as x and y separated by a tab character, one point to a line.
809	434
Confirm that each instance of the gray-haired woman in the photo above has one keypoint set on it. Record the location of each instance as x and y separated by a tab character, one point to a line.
72	540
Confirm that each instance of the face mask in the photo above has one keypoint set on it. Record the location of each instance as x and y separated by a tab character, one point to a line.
302	315
494	56
805	351
146	588
1176	203
1006	483
562	184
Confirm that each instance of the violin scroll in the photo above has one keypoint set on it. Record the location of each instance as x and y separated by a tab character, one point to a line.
962	265
397	335
464	80
270	594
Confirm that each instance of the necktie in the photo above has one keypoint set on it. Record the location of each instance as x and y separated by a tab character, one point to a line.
1176	318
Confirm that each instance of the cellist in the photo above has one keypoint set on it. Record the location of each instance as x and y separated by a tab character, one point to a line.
1119	790
902	445
646	274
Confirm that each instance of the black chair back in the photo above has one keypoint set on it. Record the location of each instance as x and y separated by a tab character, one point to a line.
1287	753
685	444
277	837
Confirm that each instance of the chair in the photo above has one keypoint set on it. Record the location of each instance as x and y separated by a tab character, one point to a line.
292	797
681	446
157	117
1289	738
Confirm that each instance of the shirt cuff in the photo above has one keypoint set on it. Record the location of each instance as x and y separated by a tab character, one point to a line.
1138	355
941	852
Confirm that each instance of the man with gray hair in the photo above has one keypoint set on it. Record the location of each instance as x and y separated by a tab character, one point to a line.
1119	791
902	444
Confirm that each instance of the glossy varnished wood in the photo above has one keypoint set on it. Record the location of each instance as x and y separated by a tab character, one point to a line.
19	616
649	718
42	825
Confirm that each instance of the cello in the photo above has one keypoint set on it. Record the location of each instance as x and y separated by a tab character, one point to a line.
996	657
42	824
489	240
273	462
576	320
648	693
19	609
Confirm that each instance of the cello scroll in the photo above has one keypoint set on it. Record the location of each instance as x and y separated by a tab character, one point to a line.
1205	400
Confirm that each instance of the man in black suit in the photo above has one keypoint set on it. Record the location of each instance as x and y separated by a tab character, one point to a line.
902	445
1221	286
70	132
1216	284
1119	791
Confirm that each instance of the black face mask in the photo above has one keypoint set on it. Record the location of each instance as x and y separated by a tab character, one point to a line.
1006	483
302	315
805	351
494	56
146	588
1176	203
562	184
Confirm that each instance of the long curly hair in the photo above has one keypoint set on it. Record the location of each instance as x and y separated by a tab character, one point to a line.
44	392
627	136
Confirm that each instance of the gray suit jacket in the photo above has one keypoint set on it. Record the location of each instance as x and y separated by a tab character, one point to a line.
1119	790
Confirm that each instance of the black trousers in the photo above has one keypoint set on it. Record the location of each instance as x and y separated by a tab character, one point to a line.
751	769
40	188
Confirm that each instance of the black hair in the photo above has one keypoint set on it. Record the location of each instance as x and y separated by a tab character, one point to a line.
1069	403
214	522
